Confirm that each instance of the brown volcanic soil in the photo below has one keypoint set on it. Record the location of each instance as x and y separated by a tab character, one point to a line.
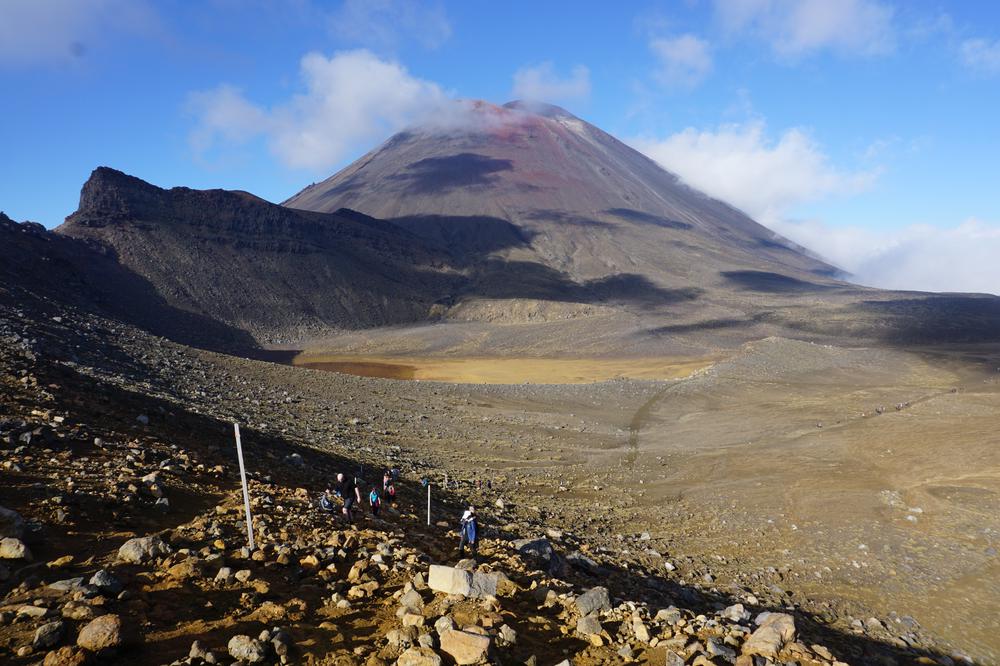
741	494
865	480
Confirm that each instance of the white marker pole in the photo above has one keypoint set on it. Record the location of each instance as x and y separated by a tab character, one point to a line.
428	503
243	478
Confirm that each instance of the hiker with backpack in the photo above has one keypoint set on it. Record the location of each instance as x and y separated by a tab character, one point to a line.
348	491
374	501
469	528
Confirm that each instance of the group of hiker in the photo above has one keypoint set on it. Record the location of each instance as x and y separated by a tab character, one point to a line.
348	489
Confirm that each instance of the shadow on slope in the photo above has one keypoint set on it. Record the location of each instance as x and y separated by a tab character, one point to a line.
439	175
522	279
73	271
772	283
464	235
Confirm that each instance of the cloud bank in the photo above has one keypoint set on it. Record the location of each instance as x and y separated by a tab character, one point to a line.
739	164
684	61
797	28
768	178
541	83
921	257
350	100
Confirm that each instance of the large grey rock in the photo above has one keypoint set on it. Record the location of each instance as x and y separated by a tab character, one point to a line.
244	648
465	647
48	635
589	625
736	613
594	599
443	624
775	631
449	580
106	581
14	549
542	549
452	580
640	629
143	549
101	634
483	585
11	523
412	601
67	585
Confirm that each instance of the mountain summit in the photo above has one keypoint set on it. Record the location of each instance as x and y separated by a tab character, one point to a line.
584	202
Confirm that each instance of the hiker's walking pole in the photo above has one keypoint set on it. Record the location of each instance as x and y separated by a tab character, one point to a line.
428	503
243	478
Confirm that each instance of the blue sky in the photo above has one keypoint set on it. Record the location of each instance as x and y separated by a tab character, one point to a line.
864	129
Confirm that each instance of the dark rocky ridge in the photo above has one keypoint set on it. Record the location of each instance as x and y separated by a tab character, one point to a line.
255	266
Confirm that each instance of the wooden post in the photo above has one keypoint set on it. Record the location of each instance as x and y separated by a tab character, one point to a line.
243	478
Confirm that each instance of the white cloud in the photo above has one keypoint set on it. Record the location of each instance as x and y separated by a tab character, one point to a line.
350	100
919	257
385	23
684	61
767	178
57	31
224	112
541	83
981	55
799	27
739	164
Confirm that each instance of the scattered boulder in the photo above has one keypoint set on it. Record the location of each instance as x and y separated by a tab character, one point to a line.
66	656
775	630
188	569
412	601
589	625
594	599
250	650
465	647
449	580
14	549
419	656
106	582
736	613
143	549
483	585
67	585
48	635
101	634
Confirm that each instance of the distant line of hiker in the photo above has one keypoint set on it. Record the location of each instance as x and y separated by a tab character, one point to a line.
348	490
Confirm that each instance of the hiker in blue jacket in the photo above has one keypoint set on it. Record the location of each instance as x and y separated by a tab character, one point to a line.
469	529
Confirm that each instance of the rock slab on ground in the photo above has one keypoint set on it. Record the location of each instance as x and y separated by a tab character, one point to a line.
465	647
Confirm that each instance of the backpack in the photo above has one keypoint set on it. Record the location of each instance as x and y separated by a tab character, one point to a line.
390	490
325	503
